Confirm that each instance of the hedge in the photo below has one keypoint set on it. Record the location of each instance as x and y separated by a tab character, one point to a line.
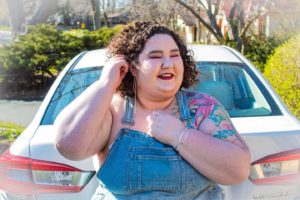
283	72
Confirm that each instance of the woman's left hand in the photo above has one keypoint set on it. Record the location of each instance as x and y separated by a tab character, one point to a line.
165	127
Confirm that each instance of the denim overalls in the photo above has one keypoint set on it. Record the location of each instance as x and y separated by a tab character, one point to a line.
140	167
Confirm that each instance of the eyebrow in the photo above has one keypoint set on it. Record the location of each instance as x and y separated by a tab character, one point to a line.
158	51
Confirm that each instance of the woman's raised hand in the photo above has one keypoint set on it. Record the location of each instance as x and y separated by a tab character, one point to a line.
165	127
115	70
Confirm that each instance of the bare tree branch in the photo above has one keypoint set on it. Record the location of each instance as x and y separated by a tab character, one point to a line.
218	35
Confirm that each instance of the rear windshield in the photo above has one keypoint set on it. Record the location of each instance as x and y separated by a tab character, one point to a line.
237	88
72	85
233	84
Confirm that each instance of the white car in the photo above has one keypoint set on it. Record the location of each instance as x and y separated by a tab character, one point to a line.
33	169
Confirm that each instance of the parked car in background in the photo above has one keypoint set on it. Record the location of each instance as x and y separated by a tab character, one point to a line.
33	169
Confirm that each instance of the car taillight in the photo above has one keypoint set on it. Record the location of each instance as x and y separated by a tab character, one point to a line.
21	175
278	168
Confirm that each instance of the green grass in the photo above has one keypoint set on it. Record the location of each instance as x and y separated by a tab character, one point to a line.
9	131
5	28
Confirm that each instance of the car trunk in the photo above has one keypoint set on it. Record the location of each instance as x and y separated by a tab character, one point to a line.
268	135
274	143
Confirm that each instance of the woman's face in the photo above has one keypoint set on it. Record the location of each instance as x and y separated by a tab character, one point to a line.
160	67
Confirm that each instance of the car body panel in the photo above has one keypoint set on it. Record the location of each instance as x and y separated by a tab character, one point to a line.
268	135
86	193
42	147
248	191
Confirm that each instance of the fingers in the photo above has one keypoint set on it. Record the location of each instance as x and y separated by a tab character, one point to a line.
115	70
118	63
152	117
154	120
121	63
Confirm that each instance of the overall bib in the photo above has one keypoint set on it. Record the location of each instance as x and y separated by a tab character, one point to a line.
139	167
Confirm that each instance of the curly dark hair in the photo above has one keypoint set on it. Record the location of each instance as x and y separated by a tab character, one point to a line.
131	41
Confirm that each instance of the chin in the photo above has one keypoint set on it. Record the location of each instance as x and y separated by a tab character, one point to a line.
169	92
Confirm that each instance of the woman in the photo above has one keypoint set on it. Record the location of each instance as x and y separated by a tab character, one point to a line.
153	140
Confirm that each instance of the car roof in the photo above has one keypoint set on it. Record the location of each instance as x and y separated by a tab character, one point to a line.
213	53
93	58
202	53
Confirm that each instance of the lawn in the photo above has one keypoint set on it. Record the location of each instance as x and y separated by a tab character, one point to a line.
9	131
5	28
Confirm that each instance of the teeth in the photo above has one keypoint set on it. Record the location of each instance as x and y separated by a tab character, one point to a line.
166	75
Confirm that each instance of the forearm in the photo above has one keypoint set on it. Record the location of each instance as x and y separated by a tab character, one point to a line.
80	122
219	160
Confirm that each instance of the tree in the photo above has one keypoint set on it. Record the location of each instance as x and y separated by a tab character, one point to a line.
96	13
17	18
164	11
240	19
287	18
4	13
44	8
74	11
99	9
283	72
23	12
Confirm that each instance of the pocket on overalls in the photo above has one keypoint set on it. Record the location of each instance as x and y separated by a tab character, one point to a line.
154	168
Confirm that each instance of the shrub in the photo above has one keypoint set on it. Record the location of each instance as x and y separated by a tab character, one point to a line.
36	58
38	50
28	61
258	49
283	72
102	36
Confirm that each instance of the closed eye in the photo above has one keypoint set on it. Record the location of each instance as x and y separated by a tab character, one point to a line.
154	57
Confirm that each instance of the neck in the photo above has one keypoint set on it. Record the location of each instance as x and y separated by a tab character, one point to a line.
148	103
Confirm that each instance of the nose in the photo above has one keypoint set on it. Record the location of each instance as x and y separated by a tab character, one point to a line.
167	63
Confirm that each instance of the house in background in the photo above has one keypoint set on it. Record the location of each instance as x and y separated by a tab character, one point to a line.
191	30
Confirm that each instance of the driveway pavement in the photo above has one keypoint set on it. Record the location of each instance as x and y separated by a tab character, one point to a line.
19	112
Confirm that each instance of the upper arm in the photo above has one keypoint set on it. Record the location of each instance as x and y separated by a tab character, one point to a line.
103	135
214	120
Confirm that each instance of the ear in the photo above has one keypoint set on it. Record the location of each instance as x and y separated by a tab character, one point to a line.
133	70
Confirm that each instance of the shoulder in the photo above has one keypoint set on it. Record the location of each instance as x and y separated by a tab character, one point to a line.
199	100
206	107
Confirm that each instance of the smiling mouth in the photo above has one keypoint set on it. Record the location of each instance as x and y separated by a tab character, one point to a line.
166	76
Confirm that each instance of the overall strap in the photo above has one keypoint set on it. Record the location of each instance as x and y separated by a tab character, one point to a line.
183	108
128	117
